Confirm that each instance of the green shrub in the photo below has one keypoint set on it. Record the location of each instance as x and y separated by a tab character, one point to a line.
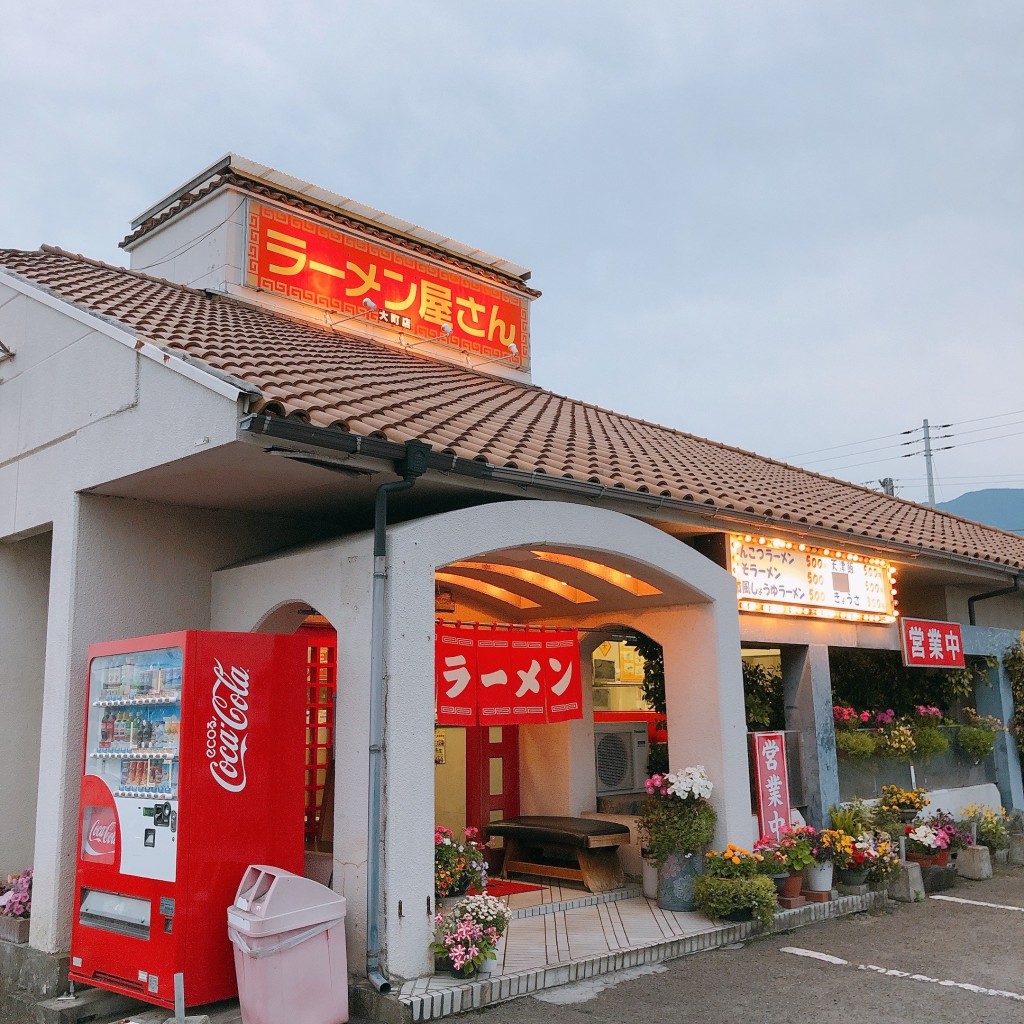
852	818
975	741
929	741
855	743
717	897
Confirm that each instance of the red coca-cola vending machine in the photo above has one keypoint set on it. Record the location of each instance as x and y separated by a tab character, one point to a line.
193	770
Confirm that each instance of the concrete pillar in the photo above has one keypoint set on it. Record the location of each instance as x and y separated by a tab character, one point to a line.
24	595
408	810
807	688
993	696
704	699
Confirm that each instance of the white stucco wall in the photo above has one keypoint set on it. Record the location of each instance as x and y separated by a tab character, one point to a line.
203	248
79	406
702	658
119	568
24	594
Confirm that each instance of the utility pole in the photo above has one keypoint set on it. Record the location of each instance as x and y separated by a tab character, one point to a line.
928	464
888	486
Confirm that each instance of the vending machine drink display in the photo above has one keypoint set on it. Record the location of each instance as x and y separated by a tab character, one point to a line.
194	762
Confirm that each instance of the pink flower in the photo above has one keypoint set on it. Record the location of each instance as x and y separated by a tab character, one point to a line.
865	716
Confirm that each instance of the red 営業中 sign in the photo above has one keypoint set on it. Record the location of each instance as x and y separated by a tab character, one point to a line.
929	644
501	675
772	782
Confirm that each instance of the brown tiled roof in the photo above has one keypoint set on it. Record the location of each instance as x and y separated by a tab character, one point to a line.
329	379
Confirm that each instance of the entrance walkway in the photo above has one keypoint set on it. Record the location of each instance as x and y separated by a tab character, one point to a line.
559	935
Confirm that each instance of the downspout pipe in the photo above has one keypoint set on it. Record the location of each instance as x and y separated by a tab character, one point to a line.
410	468
972	601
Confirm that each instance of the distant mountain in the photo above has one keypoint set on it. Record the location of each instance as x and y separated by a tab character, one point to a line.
996	506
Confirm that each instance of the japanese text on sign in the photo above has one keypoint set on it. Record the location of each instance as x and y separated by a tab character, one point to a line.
778	576
772	782
336	271
497	675
928	644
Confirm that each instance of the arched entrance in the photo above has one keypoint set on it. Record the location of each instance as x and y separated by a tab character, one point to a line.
693	616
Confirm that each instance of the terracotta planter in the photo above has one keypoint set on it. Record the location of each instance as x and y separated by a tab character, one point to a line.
14	929
938	859
788	886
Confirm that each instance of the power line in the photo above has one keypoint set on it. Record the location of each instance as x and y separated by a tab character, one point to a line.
995	416
851	444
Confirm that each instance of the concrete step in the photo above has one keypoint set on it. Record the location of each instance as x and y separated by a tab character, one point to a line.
89	1006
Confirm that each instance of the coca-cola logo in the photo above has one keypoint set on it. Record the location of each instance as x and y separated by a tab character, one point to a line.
226	738
101	835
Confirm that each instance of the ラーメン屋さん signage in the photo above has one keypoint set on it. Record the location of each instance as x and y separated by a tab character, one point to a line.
338	271
499	675
772	782
929	644
780	577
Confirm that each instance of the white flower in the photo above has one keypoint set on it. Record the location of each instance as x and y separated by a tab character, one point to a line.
691	782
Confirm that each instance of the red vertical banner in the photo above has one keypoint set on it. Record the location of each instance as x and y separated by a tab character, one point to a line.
494	664
771	782
455	674
564	696
529	677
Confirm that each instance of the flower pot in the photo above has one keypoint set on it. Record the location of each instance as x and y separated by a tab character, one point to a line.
853	876
490	966
789	885
14	929
650	879
907	816
675	882
819	877
939	859
464	973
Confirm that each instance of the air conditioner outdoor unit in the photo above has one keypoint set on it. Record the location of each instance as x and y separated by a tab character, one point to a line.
620	751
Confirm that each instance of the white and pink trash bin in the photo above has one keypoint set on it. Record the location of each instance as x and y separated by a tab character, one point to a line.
289	939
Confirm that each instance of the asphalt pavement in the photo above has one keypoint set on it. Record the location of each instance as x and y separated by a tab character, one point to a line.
957	957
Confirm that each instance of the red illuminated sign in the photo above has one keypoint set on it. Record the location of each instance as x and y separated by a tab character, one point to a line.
337	271
772	782
501	675
928	644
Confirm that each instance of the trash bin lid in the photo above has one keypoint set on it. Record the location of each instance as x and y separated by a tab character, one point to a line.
271	900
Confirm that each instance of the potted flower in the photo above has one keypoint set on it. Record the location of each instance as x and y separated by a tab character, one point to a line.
852	738
678	822
461	944
977	736
991	827
16	907
929	740
457	866
833	847
903	804
854	857
789	853
733	887
493	916
927	845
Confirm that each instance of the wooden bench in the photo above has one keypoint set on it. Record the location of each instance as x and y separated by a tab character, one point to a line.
578	849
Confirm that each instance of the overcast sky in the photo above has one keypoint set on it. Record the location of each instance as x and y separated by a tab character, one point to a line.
787	225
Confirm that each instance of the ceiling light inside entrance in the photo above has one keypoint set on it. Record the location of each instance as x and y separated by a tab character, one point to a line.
617	578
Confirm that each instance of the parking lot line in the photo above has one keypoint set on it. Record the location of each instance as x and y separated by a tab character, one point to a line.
978	903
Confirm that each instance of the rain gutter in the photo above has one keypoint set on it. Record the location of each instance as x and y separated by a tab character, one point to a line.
410	468
972	601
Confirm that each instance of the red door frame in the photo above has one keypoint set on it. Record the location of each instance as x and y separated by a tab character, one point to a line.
480	749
